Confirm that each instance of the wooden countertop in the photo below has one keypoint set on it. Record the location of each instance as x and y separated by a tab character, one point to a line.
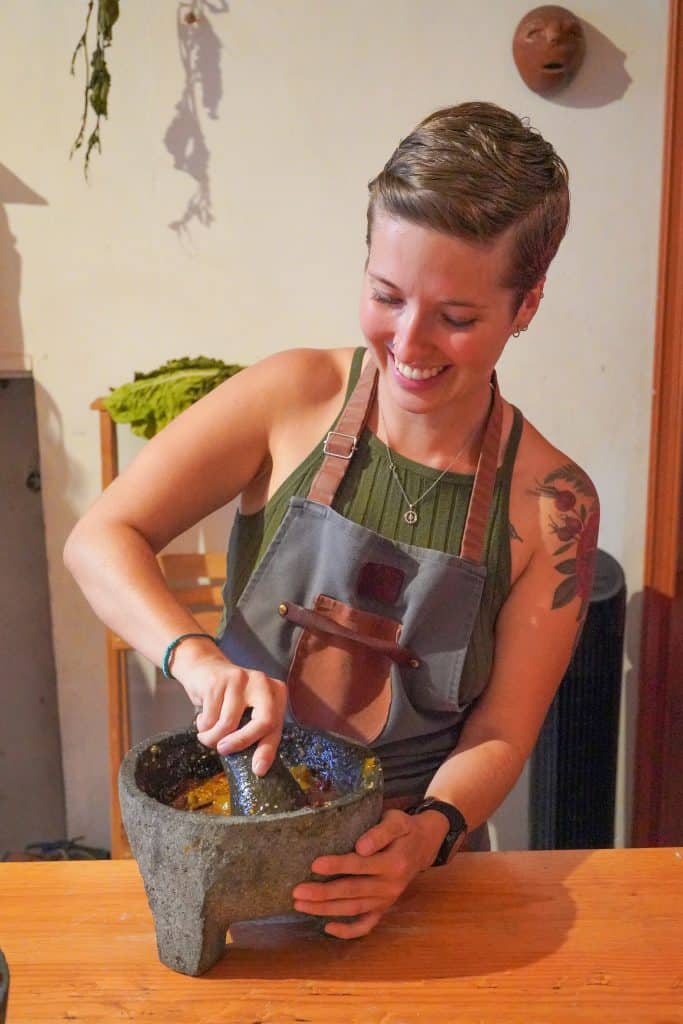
496	937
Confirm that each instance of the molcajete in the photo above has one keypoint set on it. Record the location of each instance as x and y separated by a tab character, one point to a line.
204	872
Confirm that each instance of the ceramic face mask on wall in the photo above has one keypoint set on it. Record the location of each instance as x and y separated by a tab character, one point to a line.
548	48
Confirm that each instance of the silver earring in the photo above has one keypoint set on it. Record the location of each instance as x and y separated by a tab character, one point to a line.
516	334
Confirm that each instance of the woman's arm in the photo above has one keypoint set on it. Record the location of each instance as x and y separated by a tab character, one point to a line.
203	459
536	631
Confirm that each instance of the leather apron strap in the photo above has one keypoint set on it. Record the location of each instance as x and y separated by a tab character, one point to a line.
341	443
474	535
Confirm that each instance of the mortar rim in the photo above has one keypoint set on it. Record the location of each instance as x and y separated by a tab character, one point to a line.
126	781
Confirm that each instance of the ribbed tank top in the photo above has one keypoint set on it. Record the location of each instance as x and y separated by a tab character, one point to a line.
369	496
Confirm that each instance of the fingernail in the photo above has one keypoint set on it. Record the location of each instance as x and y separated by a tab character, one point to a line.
259	766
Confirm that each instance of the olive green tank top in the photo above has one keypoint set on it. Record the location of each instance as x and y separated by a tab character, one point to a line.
369	496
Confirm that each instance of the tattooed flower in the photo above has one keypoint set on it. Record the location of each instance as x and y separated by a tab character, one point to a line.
563	500
568	529
585	555
577	530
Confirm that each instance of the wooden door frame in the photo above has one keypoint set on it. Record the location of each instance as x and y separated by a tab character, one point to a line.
658	795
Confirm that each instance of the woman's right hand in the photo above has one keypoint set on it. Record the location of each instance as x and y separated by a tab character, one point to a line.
224	691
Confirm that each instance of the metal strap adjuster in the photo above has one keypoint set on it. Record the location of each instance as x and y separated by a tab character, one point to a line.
348	437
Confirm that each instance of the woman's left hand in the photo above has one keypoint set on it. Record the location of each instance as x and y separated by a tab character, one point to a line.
385	860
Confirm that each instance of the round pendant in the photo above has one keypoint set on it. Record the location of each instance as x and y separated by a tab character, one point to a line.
410	516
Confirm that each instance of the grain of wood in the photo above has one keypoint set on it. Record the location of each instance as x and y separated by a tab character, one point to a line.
519	937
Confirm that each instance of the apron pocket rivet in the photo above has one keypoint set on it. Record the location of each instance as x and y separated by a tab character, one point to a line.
414	663
282	609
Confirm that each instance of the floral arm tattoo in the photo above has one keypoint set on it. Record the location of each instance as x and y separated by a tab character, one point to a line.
574	520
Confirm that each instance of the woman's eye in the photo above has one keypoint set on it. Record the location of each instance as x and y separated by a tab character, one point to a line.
458	323
387	300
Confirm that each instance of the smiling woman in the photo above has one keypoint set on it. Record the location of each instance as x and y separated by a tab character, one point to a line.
403	533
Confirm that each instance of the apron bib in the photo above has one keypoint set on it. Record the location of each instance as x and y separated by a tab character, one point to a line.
370	634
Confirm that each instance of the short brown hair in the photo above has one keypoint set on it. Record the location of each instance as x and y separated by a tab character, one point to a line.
475	171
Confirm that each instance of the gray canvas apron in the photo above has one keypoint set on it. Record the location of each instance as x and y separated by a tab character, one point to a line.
370	634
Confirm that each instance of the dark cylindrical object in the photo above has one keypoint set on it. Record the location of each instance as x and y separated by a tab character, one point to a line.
574	763
4	987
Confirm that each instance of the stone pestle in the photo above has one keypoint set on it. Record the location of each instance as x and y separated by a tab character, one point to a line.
273	793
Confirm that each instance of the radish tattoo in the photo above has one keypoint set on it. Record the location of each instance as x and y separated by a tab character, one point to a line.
574	520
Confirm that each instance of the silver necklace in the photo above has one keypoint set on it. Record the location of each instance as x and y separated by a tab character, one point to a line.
410	516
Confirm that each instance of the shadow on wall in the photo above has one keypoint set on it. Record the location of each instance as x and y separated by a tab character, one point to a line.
602	78
12	190
200	50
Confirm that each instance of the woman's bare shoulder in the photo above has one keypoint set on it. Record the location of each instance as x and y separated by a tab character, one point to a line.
549	467
305	377
554	504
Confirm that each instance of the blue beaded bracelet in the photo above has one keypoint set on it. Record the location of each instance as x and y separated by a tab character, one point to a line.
168	653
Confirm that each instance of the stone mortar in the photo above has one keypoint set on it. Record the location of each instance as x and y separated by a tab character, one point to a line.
203	872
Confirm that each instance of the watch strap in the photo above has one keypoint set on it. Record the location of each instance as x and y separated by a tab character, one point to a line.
457	826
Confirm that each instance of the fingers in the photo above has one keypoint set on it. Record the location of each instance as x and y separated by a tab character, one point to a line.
351	864
365	909
326	896
225	696
265	752
338	908
345	897
393	825
362	925
221	712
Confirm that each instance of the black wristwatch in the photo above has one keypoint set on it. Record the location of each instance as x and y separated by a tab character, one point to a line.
457	827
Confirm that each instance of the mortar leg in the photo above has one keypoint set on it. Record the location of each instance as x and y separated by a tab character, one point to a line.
190	944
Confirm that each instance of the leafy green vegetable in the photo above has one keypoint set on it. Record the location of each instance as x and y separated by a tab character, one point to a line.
151	400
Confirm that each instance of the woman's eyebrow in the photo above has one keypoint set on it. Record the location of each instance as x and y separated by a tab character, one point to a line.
382	280
463	302
444	302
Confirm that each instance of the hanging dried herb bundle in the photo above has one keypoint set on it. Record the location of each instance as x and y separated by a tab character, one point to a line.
97	77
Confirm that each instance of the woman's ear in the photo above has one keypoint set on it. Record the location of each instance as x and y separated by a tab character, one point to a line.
529	307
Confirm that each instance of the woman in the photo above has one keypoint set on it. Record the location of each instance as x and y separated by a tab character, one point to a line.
413	570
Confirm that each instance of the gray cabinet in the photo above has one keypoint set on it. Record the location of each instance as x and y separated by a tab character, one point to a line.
31	779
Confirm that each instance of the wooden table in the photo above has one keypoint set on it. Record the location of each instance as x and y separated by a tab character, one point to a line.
496	937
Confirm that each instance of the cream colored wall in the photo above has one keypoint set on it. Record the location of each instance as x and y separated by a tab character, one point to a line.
315	95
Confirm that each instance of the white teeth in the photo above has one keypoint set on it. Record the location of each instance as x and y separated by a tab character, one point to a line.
416	373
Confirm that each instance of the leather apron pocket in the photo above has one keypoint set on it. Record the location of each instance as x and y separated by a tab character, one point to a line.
340	676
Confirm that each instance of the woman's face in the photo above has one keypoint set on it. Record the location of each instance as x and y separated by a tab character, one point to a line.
434	312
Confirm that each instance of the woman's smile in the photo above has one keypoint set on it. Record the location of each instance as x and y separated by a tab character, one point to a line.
415	377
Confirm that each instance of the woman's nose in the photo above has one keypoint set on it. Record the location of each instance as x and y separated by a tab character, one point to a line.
410	337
